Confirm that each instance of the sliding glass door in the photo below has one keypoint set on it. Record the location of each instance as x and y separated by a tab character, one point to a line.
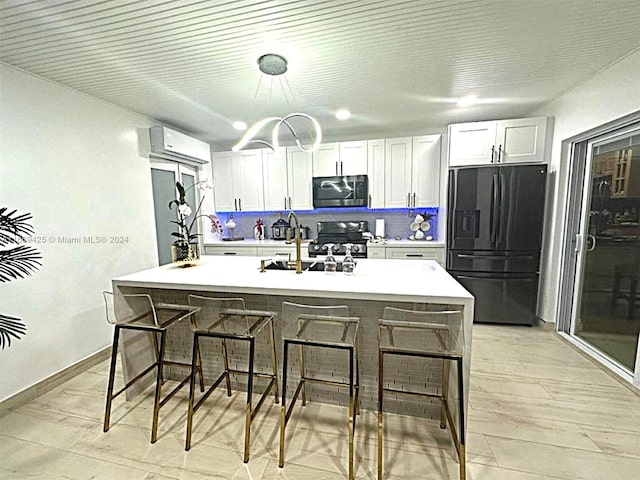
605	299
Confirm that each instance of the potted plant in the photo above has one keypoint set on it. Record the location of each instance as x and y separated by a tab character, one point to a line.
185	250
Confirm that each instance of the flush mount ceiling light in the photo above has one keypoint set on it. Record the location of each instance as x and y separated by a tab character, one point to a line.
275	65
343	114
468	101
239	125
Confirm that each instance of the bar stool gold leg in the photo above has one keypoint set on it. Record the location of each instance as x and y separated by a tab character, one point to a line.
283	407
380	399
304	385
226	366
247	425
112	376
462	454
351	414
156	404
445	390
357	378
274	362
199	367
192	385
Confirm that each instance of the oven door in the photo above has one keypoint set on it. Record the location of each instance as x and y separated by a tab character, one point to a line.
346	191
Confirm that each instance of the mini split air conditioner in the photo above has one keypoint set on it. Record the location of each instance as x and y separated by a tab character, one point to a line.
173	145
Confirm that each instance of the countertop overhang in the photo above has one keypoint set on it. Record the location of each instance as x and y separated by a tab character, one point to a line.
421	281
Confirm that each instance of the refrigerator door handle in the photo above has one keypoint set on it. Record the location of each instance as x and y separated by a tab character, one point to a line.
499	209
494	209
498	257
487	279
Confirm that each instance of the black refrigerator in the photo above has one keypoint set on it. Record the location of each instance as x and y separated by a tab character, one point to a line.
494	223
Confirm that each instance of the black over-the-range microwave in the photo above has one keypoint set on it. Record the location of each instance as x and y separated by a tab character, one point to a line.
345	191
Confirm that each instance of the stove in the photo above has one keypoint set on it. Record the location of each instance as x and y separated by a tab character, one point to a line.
340	233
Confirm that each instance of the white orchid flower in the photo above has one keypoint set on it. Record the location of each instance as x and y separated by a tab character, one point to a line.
184	210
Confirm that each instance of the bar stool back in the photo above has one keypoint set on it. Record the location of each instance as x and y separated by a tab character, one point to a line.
228	319
425	334
138	312
325	327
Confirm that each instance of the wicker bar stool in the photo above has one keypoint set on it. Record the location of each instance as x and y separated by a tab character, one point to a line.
227	319
137	312
325	327
424	334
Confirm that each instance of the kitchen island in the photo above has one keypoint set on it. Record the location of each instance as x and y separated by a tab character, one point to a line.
376	284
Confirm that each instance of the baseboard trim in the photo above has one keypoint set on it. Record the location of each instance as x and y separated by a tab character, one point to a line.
38	389
546	326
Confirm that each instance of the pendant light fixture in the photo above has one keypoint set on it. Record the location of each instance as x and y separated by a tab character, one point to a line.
275	65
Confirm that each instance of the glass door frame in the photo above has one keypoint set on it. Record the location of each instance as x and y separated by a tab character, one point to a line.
178	169
577	207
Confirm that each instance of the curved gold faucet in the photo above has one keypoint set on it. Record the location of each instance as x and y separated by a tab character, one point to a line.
297	240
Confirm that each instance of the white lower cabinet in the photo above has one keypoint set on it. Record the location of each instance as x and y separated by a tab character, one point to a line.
426	252
375	251
239	250
284	249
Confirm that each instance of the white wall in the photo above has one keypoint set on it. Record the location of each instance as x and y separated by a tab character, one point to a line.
73	162
608	95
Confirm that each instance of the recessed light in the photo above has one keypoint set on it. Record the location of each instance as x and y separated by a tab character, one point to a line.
240	126
468	101
343	114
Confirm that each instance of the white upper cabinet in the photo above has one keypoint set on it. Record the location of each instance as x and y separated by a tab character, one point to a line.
397	189
412	172
375	170
353	158
223	193
326	160
274	173
521	140
236	185
471	143
299	174
504	141
344	158
425	171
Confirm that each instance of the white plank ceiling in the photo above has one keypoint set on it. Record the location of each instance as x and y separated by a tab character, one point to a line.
399	66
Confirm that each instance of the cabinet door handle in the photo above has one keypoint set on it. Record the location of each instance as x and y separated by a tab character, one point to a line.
239	204
414	255
235	204
414	199
285	203
229	253
369	200
290	207
499	153
409	199
493	151
341	168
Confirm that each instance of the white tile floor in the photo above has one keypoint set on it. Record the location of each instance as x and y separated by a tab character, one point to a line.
538	410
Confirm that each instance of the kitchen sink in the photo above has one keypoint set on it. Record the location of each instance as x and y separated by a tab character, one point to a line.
307	266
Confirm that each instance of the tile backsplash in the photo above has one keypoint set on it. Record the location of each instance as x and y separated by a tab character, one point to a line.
397	221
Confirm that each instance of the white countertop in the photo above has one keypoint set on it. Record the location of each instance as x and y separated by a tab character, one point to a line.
248	242
408	243
374	279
